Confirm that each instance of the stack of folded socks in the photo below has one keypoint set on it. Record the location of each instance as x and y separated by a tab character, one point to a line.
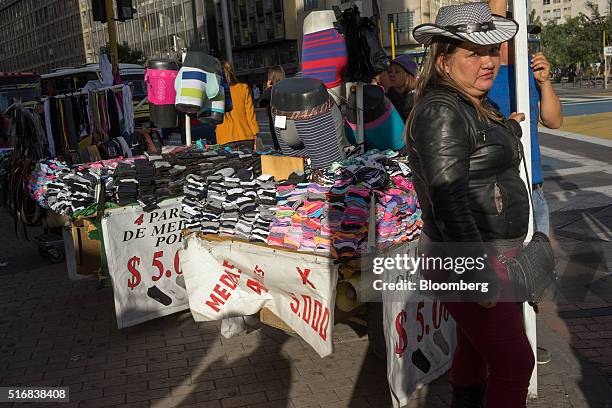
126	184
177	175
45	172
350	237
83	189
194	201
58	192
266	201
145	174
398	216
162	179
301	219
334	219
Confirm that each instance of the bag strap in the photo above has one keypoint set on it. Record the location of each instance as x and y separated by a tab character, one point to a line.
529	188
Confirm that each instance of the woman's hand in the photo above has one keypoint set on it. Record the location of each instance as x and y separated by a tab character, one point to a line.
487	304
517	116
541	68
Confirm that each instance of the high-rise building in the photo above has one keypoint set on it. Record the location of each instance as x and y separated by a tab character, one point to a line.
160	28
559	11
263	34
405	15
262	31
39	35
44	34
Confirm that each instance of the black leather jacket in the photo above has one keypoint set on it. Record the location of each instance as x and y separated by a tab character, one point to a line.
466	171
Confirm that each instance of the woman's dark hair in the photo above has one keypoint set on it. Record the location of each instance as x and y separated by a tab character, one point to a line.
275	74
433	76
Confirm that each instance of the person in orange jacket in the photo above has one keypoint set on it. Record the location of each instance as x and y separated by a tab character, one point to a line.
240	124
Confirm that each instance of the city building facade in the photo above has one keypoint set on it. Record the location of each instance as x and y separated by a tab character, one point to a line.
160	28
263	34
559	11
39	35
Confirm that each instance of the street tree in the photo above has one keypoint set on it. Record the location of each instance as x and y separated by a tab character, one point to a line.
127	54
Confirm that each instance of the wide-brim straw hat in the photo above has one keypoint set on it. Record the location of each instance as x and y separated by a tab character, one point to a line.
471	22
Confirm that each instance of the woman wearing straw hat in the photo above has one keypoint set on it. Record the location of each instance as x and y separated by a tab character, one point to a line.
465	158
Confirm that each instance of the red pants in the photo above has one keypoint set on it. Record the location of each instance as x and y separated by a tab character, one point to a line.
492	347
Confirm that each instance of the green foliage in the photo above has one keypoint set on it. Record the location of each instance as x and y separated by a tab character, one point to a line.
578	41
127	55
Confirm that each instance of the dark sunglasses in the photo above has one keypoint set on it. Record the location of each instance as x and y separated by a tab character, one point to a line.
471	28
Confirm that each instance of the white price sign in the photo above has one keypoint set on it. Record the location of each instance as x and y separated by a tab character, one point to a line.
230	279
420	335
142	249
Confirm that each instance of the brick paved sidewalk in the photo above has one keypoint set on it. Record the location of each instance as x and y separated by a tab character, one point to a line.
57	332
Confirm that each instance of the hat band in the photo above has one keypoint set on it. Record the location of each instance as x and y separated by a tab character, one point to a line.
471	28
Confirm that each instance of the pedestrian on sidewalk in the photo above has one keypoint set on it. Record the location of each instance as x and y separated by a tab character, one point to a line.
256	92
402	81
545	108
463	155
239	125
273	76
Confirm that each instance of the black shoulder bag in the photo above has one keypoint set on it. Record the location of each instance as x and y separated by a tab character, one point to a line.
533	270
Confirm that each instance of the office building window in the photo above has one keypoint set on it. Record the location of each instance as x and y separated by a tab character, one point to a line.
546	2
311	5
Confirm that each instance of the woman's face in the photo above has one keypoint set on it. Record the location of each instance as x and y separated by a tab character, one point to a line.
472	67
397	76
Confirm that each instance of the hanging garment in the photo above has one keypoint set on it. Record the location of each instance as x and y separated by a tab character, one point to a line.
73	139
366	57
114	129
48	127
307	121
213	109
324	56
383	125
196	81
128	109
160	77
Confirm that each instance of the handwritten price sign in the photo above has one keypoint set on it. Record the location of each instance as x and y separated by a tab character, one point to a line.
134	263
438	314
228	279
419	332
144	262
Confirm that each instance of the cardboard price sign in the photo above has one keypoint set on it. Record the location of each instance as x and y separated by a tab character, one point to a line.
142	250
419	332
229	279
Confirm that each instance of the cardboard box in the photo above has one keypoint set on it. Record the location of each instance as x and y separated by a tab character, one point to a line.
267	317
86	250
281	167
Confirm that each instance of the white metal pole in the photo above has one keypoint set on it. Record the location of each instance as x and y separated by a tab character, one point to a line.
187	130
521	58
